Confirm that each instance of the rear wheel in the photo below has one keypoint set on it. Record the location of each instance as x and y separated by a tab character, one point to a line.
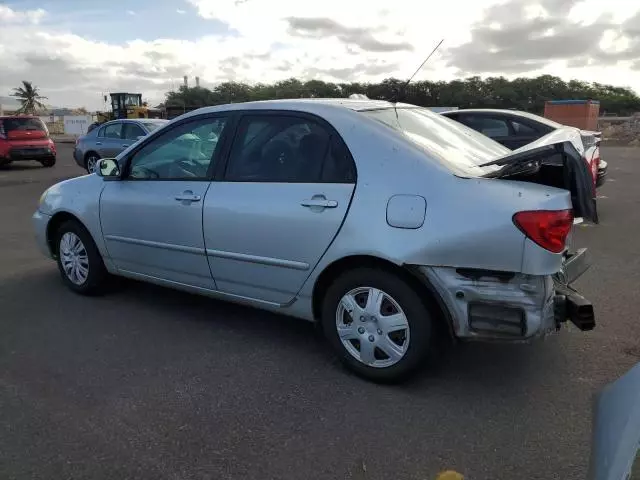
79	260
377	324
49	162
91	161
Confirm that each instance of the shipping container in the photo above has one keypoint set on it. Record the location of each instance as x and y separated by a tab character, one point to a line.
576	113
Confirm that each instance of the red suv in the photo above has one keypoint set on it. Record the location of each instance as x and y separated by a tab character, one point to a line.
26	137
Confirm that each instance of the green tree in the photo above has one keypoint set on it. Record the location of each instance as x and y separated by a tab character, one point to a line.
29	97
527	94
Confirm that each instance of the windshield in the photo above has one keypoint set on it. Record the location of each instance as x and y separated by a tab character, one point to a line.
458	147
151	126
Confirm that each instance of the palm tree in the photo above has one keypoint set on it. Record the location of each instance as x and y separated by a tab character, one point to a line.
29	96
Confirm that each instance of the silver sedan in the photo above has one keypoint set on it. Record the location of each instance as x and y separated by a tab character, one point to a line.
111	138
392	226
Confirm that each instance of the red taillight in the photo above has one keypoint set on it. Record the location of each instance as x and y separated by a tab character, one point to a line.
548	228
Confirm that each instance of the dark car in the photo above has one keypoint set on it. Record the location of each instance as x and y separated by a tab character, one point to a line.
25	137
111	138
515	129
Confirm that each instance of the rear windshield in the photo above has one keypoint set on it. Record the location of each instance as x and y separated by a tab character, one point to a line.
151	126
456	146
24	124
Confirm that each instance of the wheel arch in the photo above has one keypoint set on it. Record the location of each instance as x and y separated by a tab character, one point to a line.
52	227
432	299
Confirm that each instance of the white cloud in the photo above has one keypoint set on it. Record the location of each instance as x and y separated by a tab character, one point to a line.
131	12
9	16
337	40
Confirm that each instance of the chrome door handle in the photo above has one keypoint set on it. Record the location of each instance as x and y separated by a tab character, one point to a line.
125	146
319	202
98	143
187	197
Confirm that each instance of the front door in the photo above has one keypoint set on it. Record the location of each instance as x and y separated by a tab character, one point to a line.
152	219
285	192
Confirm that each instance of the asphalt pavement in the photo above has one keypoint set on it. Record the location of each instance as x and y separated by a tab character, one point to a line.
154	384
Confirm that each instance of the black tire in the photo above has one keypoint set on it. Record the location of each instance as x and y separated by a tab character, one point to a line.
417	314
49	162
88	157
97	277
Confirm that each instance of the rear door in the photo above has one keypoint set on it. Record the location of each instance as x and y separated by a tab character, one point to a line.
278	205
130	133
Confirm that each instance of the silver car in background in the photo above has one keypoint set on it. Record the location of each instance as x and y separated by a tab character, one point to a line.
392	226
111	138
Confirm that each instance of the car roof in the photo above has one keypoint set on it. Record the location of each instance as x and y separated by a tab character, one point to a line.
309	105
514	113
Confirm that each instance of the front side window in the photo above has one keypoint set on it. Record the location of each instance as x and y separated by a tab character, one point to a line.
287	149
185	152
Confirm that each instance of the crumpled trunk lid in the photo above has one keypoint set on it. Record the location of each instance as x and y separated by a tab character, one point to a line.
556	160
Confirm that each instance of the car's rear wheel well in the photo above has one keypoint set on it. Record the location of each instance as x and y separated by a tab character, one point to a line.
54	224
431	298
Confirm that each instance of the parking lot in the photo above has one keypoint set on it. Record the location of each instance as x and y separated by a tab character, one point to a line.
152	383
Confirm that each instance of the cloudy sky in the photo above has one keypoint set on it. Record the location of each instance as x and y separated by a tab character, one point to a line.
74	50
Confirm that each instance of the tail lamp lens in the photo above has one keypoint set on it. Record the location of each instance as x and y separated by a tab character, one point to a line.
547	228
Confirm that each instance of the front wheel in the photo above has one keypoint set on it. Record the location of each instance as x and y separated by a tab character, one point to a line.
79	260
377	324
91	162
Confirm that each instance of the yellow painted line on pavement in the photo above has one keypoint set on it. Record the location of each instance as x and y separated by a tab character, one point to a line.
449	475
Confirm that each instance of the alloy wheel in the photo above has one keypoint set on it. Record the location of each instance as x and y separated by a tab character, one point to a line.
92	162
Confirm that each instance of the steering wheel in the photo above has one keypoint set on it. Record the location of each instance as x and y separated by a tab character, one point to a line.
191	167
147	172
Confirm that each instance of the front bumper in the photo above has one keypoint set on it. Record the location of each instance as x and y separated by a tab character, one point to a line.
40	221
485	305
602	173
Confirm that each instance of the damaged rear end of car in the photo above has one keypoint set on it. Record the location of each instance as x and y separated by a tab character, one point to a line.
539	298
499	251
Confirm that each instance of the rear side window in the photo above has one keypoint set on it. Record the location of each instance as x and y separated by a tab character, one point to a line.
111	131
288	149
131	131
23	124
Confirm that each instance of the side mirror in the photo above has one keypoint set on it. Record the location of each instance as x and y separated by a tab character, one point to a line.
108	168
139	137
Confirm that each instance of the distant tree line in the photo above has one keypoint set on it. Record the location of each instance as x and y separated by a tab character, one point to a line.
527	94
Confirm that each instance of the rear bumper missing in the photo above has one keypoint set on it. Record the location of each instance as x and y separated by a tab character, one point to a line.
513	307
568	303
